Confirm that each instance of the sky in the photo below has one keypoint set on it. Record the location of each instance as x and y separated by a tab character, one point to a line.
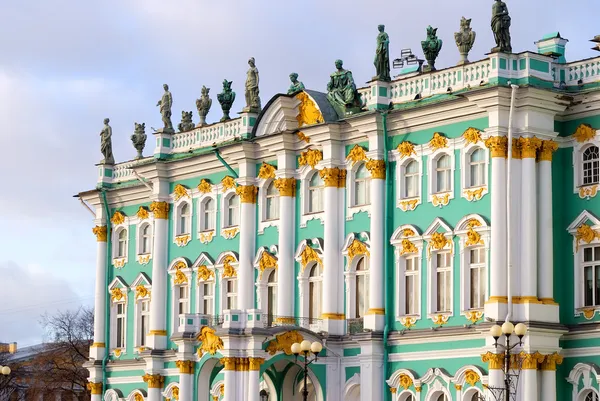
65	65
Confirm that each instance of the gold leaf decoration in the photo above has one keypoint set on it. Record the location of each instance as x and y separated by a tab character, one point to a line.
228	182
180	277
175	393
207	237
183	240
473	237
474	194
247	193
408	321
588	192
117	218
471	377
141	292
357	154
286	186
266	171
376	168
228	270
267	261
210	342
405	381
585	234
204	273
472	135
116	294
408	232
310	158
584	133
406	149
160	210
588	313
474	316
440	319
409	205
357	248
438	141
309	255
205	186
283	342
440	200
180	191
408	247
230	233
143	213
308	112
498	145
100	232
529	147
303	137
438	241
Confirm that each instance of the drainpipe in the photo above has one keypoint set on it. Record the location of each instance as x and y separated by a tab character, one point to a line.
227	166
508	206
106	314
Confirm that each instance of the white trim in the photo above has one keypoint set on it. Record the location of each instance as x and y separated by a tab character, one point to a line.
145	281
409	203
119	261
175	291
205	260
224	221
432	267
305	174
168	391
417	240
350	384
262	278
263	186
178	231
200	218
219	265
350	272
432	160
144	258
465	167
578	149
351	208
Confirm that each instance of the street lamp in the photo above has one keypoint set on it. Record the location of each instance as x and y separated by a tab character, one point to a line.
507	329
305	348
264	396
5	370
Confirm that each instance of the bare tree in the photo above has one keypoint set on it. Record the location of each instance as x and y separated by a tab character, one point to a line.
11	386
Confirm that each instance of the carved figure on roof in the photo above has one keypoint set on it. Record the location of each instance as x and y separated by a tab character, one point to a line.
139	139
464	39
501	27
296	85
106	143
186	123
226	99
252	98
203	105
431	47
382	55
341	91
165	104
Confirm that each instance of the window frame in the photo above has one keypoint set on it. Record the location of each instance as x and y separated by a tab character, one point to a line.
474	193
585	191
306	215
440	199
202	211
439	226
405	203
350	190
205	260
175	291
416	240
222	281
592	162
114	305
263	196
578	252
182	235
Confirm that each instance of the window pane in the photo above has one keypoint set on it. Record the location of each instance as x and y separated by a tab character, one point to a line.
588	286
597	289
360	296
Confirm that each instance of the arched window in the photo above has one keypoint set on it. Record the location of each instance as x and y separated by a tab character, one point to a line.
121	324
591	166
441	397
362	288
233	211
361	186
443	173
407	397
591	396
184	219
122	244
272	296
145	239
478	277
411	180
272	202
477	168
591	274
207	214
315	290
315	193
476	397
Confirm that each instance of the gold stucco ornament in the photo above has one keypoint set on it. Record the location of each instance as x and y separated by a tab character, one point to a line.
588	192
529	147
471	377
160	210
180	191
94	388
474	316
302	136
310	158
267	261
228	270
186	367
406	149
205	186
474	194
266	171
547	149
498	145
309	255
440	200
357	248
138	397
141	292
247	193
206	237
209	341
100	232
585	234
230	233
142	213
154	381
409	205
377	169
180	277
584	133
117	218
472	135
357	154
405	381
228	182
175	393
204	273
438	141
473	237
117	294
408	232
408	321
494	361
286	186
308	112
283	342
408	247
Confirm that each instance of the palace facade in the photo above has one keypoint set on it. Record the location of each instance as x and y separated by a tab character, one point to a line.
381	234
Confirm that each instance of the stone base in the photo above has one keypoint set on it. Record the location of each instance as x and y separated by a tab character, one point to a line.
335	327
97	353
374	322
157	341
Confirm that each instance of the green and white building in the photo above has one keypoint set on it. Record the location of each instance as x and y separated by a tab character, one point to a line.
381	234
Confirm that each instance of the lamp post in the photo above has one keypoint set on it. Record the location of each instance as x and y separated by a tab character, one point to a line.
507	329
305	348
5	370
264	396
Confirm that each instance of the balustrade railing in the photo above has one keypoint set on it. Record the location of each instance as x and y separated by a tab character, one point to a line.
305	322
207	136
354	326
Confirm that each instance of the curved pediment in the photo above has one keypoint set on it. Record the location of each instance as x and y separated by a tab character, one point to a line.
288	113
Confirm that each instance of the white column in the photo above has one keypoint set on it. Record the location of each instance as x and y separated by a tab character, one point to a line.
254	379
154	394
230	379
186	375
333	314
515	187
495	375
157	337
546	261
155	385
375	319
529	389
286	262
95	390
528	276
98	348
548	375
494	308
246	287
371	370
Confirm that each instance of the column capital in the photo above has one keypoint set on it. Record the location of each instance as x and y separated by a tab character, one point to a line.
255	363
546	150
333	177
530	361
376	168
498	145
100	232
154	381
242	364
247	193
186	367
494	361
529	147
551	360
286	186
516	149
94	388
228	362
160	210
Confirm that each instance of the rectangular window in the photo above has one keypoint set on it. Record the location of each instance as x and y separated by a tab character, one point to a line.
591	274
231	294
411	286
477	174
121	325
444	281
144	321
315	200
478	277
208	298
184	299
412	187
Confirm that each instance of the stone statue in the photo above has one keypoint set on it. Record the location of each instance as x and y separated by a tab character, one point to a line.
382	56
203	105
252	98
341	91
431	48
226	99
501	27
165	104
186	123
106	143
139	139
464	40
296	85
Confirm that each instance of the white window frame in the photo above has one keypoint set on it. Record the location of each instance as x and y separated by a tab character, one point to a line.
262	206
141	280
223	280
400	259
118	283
225	223
144	257
175	291
352	208
120	261
350	271
178	231
205	260
578	187
305	215
201	209
303	279
438	225
590	375
403	203
465	168
432	181
262	277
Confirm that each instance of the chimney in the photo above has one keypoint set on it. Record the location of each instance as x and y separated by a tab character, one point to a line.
12	348
553	45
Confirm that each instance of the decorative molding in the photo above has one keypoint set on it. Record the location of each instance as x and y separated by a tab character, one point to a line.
303	137
94	388
117	294
310	158
309	255
308	112
585	234
160	210
266	171
141	292
228	269
408	247
472	377
119	263
142	213
117	218
473	237
180	277
408	321
473	195
183	240
438	141
205	186
228	183
584	133
474	315
209	342
472	135
405	381
357	154
180	191
154	381
588	192
206	236
409	205
100	232
267	261
529	361
283	342
357	248
440	319
406	149
440	199
547	148
204	273
230	233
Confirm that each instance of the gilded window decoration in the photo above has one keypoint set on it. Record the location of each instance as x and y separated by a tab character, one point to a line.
405	381
585	234
498	145
309	255
142	213
588	192
117	294
406	149
584	133
408	247
205	186
206	237
228	270
474	316
310	158
472	135
438	242
440	319
473	237
302	136
180	192
230	233
474	194
267	261
357	248
438	141
471	377
408	321
440	200
180	277
204	273
228	183
357	154
141	292
117	218
183	240
266	171
546	150
408	205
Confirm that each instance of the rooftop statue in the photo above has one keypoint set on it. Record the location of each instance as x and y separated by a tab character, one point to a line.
382	55
106	143
203	105
341	91
501	27
431	48
139	139
165	104
464	40
226	98
186	123
252	98
296	85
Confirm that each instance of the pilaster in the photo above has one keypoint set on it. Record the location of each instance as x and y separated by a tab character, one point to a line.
371	369
246	288
380	96
155	385
98	347
186	375
286	263
164	144
157	336
548	376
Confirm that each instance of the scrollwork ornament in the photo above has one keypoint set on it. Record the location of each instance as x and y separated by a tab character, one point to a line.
118	218
472	135
267	261
141	292
228	269
266	171
438	141
142	213
408	247
309	255
283	342
204	273
585	234
180	191
405	381
117	294
406	149
210	342
310	158
205	186
228	183
584	133
357	154
357	248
